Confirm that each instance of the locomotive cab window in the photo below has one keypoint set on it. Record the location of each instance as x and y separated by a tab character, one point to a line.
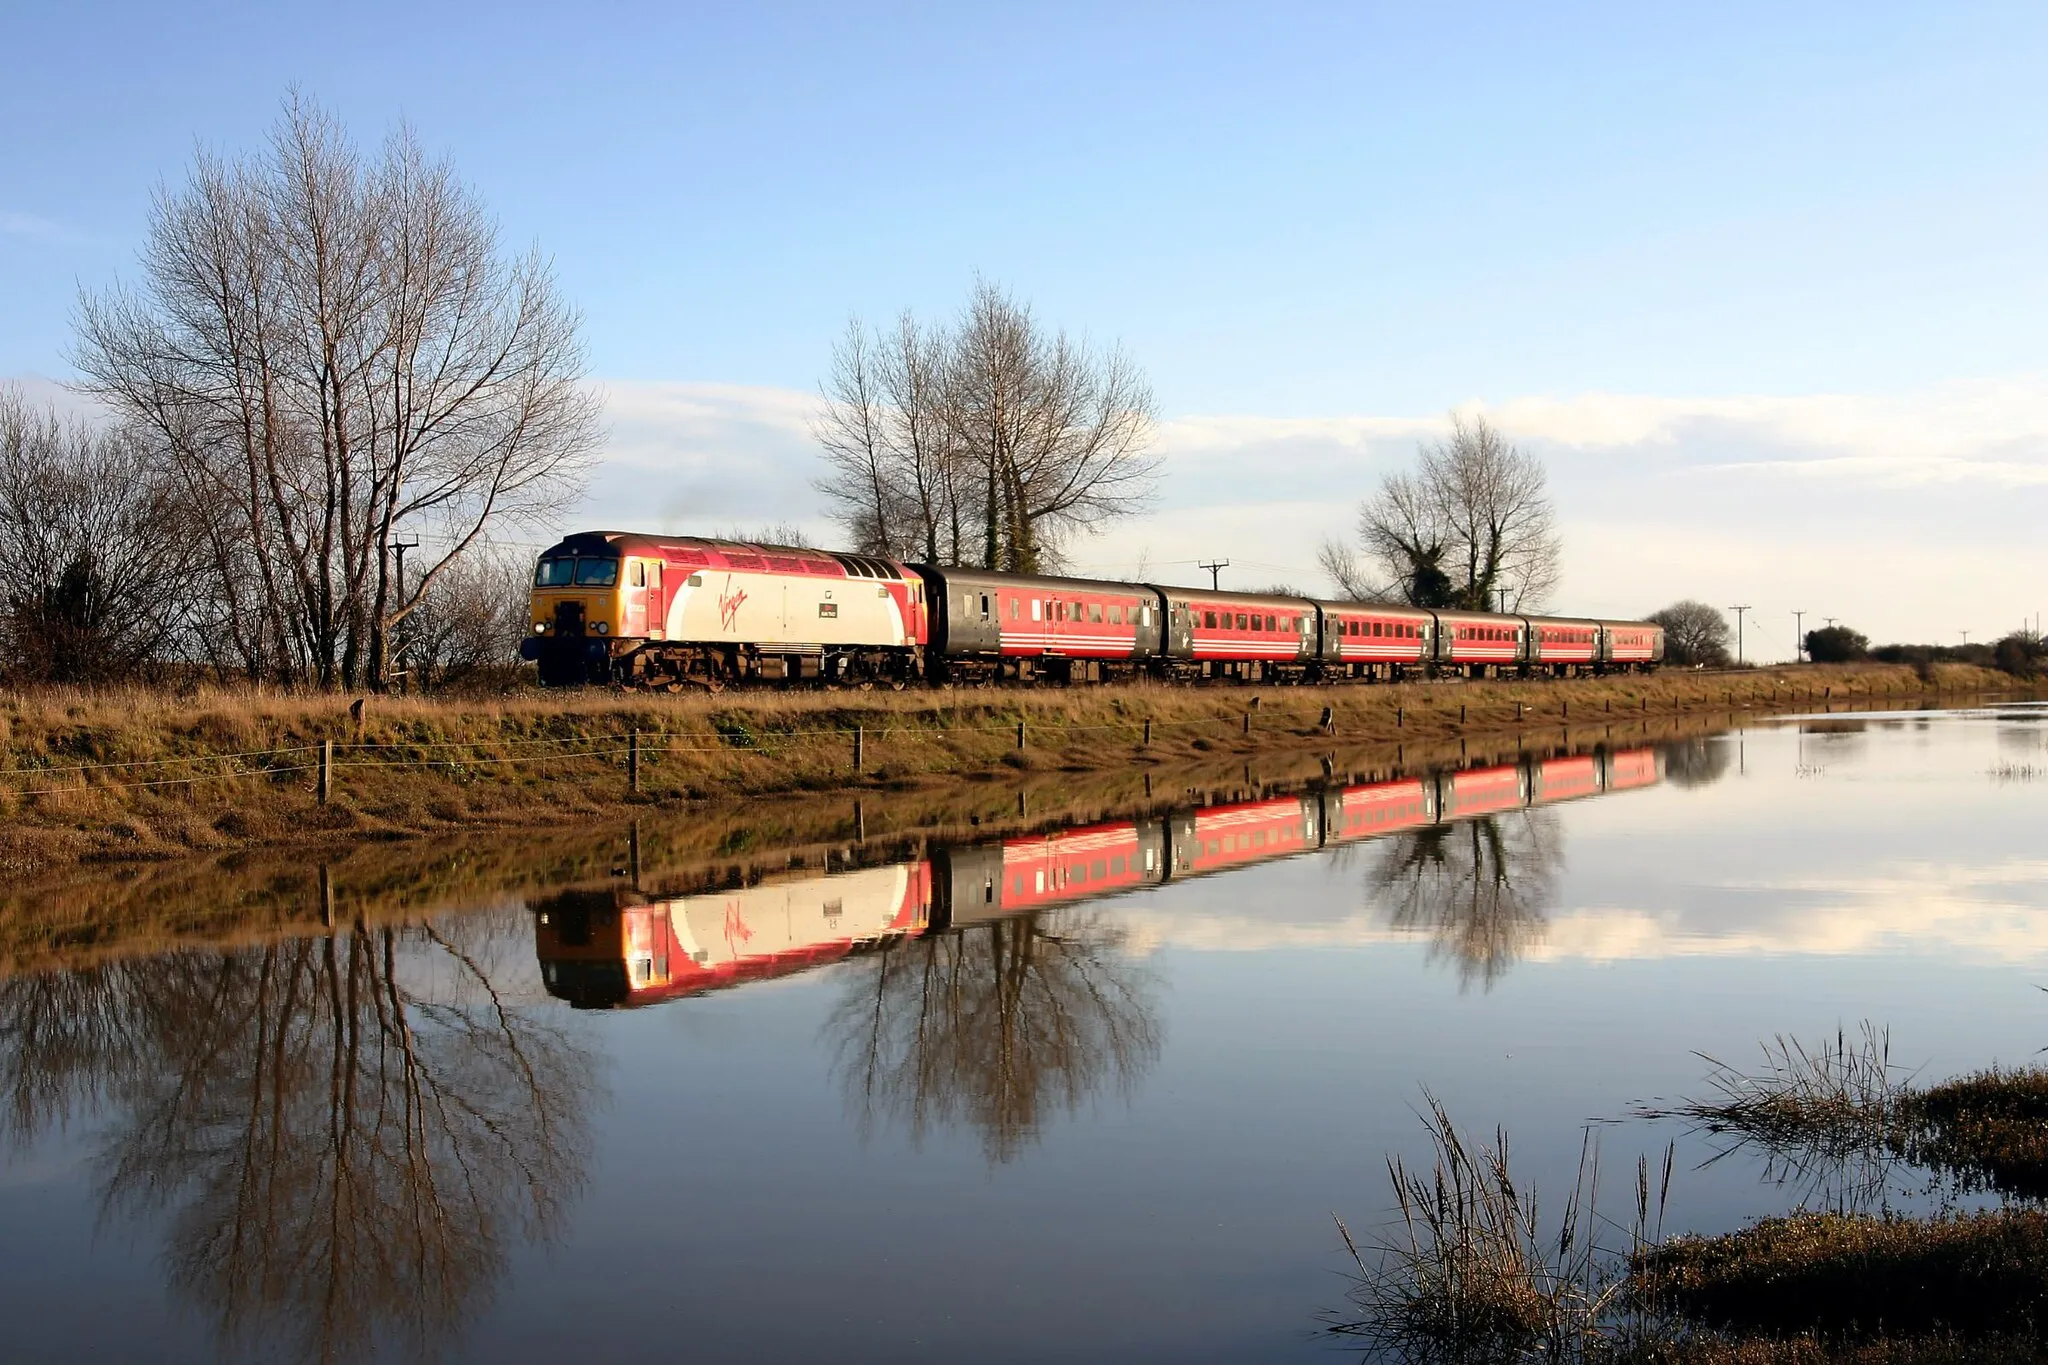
596	573
555	573
637	576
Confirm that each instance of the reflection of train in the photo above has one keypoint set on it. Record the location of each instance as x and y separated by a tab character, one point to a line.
612	606
612	948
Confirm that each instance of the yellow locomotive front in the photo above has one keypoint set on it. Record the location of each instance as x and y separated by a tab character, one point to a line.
577	606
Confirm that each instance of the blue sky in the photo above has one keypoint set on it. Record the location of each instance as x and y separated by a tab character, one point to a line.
1300	214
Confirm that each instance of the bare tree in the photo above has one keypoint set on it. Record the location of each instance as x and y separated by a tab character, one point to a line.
1472	520
97	551
471	621
1001	1026
342	1139
333	354
1339	563
1481	889
1694	633
993	432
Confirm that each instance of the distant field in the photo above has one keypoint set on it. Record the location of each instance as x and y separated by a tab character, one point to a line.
138	774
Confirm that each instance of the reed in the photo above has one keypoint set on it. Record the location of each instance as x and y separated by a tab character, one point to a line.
1472	1271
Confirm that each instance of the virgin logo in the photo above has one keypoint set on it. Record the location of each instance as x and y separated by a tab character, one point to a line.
729	604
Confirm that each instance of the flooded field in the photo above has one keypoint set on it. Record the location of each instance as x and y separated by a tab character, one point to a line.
849	1091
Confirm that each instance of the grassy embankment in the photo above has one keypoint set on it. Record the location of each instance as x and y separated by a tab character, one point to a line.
130	774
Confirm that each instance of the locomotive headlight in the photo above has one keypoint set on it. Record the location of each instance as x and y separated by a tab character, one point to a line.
603	629
540	627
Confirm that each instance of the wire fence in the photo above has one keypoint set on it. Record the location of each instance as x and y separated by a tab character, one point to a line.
854	741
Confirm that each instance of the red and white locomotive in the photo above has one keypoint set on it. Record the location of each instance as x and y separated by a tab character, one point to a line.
620	607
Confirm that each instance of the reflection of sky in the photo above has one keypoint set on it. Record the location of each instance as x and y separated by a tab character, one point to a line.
736	1213
1887	841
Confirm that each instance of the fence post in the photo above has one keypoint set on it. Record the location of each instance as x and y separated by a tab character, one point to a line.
326	783
1020	734
860	824
859	746
1567	707
1400	717
1329	721
633	762
1247	722
1148	732
1461	713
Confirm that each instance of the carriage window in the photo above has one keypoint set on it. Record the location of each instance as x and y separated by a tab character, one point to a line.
984	604
1095	611
596	573
1034	609
1209	618
1013	608
1116	615
555	573
1241	622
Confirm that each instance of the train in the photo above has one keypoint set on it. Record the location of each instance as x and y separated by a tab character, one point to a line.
616	948
620	608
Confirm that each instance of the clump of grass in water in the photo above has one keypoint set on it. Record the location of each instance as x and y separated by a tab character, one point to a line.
1472	1274
1827	1114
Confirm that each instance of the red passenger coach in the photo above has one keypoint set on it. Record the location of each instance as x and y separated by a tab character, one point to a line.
1365	812
1370	640
1563	645
1098	860
1631	768
1238	635
1246	832
1632	644
1482	791
1480	643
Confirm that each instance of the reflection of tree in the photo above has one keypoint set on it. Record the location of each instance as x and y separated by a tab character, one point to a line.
1479	888
999	1025
345	1132
1697	762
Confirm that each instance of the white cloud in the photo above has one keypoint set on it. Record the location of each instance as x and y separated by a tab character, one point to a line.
34	228
1989	913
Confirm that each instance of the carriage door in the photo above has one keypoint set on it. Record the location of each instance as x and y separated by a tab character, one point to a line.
633	614
657	609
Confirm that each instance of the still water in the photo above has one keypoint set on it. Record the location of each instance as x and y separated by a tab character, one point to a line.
1089	1093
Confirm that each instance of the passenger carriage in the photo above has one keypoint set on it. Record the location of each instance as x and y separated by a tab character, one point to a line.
1252	637
988	626
1373	640
1563	646
1636	646
1479	644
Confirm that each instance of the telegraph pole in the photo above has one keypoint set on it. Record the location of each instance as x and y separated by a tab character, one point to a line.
1503	600
1738	629
1798	637
1214	570
398	646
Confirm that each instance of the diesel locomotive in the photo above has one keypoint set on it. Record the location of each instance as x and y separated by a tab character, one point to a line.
659	611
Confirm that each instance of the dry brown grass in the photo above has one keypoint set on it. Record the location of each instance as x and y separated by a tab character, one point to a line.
138	773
